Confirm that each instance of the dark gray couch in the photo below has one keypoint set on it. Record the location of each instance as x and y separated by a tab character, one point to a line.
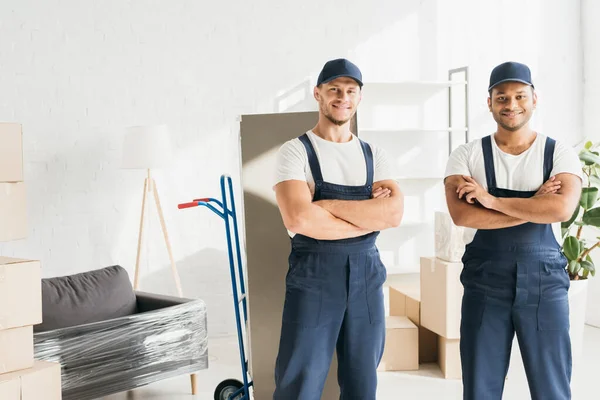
109	338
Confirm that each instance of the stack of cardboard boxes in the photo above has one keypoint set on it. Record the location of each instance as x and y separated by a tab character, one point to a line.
442	293
21	377
424	322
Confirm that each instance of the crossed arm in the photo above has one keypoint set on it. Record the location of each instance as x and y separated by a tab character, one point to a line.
472	206
338	219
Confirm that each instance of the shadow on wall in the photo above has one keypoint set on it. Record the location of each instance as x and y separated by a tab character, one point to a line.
203	276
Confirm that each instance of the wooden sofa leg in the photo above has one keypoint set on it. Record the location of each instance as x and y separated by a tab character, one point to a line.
194	383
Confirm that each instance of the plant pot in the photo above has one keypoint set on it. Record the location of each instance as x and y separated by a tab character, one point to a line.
593	311
577	311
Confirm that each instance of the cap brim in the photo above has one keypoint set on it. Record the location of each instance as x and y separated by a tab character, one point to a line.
342	76
510	80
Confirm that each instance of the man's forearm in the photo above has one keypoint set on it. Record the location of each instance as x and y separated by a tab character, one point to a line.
545	209
478	217
318	223
373	214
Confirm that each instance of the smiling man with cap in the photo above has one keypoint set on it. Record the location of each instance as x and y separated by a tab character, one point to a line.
335	193
512	189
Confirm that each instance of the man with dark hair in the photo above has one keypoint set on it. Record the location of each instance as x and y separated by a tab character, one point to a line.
512	189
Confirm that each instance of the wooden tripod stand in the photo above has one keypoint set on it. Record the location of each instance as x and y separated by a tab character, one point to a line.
150	186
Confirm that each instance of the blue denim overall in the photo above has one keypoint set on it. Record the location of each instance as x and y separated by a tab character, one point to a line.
515	281
333	300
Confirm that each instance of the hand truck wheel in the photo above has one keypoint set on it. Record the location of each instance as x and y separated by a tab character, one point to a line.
228	387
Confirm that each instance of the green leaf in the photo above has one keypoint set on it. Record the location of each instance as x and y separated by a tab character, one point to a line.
588	198
589	158
586	272
588	145
591	269
574	267
571	248
592	217
594	179
587	265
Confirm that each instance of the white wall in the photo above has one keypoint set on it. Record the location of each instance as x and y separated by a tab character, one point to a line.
75	73
590	11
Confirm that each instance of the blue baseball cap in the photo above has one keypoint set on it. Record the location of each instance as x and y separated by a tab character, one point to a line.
339	68
510	71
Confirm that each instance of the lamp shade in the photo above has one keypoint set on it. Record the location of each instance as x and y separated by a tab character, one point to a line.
146	147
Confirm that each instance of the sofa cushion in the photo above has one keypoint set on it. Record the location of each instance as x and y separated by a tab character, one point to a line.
87	297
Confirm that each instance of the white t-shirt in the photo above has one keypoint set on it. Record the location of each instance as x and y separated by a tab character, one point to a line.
523	172
341	163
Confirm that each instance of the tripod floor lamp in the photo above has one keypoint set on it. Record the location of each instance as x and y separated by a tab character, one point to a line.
148	147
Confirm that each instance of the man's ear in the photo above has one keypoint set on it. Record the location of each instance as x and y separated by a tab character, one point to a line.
489	102
316	93
534	99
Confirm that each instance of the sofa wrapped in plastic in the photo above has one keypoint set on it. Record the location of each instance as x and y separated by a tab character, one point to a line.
163	337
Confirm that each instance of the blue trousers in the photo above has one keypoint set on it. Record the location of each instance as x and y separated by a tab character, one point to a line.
334	301
524	294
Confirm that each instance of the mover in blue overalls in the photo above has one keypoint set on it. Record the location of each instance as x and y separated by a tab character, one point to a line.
334	296
514	274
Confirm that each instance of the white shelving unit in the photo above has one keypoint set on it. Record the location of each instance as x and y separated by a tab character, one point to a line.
418	124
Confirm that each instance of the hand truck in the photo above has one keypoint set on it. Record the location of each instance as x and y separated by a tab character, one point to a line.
231	389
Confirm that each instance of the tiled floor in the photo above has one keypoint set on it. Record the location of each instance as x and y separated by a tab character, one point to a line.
426	383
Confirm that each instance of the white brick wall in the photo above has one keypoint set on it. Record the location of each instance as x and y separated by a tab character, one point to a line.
75	73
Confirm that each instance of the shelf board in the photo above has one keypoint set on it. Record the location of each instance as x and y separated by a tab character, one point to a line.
409	130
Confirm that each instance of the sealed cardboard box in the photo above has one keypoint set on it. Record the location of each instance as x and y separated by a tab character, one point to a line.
20	292
13	211
409	305
449	358
401	351
449	239
11	152
16	349
40	382
441	296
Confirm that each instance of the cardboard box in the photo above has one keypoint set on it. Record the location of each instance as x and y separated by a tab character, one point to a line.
401	351
11	152
449	358
409	305
13	211
20	292
40	382
16	349
10	390
441	296
449	239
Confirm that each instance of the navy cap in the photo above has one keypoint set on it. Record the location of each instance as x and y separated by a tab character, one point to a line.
339	68
510	71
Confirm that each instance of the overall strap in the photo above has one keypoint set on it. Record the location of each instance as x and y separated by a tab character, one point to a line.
313	160
368	153
548	157
488	160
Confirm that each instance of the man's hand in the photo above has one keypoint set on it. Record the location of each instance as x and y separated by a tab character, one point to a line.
472	191
381	193
551	186
383	211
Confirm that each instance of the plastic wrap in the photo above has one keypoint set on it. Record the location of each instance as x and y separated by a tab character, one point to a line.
112	356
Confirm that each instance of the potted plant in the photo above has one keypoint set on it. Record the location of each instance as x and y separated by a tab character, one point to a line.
576	248
580	239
